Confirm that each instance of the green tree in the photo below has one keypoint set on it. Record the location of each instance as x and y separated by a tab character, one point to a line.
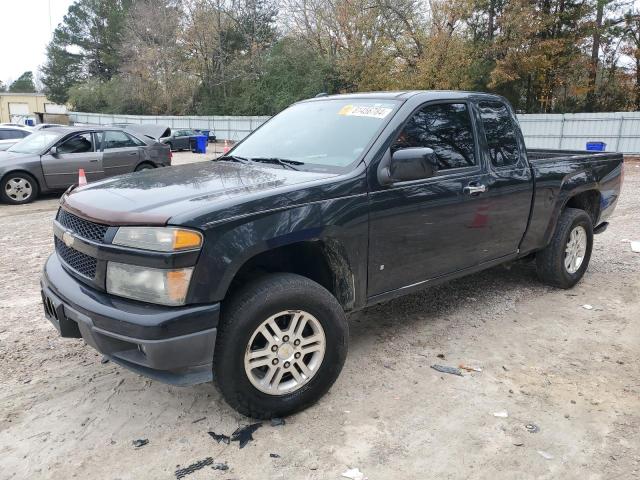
86	45
2	87
24	84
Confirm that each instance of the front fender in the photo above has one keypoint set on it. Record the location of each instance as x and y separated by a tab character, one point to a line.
340	222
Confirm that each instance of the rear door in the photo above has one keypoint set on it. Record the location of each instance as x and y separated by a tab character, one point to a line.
509	180
73	153
120	152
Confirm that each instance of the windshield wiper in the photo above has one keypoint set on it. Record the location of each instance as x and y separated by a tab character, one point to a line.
285	162
234	158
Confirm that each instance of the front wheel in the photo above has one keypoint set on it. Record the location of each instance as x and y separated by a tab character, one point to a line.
18	188
563	262
281	344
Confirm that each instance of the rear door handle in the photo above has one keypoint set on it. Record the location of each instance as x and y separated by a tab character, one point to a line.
133	153
474	189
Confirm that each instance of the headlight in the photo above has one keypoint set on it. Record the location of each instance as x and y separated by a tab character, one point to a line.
159	239
154	285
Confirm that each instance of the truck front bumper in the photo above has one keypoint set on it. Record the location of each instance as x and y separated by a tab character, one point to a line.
171	344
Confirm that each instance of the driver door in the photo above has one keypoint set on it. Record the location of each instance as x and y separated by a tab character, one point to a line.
423	229
73	153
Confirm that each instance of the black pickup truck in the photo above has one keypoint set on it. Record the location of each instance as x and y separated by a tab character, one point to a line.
241	269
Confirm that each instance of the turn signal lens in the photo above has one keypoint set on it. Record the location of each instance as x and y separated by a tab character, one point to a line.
159	239
183	239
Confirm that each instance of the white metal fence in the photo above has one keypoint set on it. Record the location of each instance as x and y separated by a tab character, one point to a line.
570	131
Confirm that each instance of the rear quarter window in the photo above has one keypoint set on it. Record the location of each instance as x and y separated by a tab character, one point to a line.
500	133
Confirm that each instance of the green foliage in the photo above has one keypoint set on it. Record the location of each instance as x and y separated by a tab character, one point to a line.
24	84
2	87
241	57
86	45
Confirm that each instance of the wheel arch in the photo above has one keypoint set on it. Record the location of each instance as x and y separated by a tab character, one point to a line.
587	200
322	260
23	171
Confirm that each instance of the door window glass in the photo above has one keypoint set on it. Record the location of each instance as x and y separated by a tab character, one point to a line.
500	132
113	139
445	128
137	142
81	143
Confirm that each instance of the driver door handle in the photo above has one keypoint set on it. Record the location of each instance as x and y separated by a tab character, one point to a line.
474	189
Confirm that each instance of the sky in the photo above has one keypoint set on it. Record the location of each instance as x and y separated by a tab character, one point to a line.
25	32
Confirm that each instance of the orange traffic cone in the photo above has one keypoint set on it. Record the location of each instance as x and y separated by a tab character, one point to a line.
82	178
226	147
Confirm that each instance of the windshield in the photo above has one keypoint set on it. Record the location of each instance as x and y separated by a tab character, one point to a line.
35	143
330	134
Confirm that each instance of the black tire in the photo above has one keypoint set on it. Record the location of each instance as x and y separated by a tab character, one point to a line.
245	312
145	166
9	193
550	262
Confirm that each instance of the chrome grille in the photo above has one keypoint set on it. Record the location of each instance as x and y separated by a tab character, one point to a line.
80	262
81	227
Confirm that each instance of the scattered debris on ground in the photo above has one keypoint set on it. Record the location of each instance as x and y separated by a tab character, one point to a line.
445	369
545	455
354	474
199	420
220	437
532	428
586	306
104	359
501	414
276	422
220	466
183	472
635	246
469	369
244	435
140	442
274	455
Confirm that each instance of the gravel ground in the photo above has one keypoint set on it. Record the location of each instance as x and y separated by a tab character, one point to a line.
546	360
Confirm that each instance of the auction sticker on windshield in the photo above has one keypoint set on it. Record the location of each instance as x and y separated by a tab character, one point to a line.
373	111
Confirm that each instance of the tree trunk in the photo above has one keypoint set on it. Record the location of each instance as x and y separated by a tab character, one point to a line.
595	55
492	16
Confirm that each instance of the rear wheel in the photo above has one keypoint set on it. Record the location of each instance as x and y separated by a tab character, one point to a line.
281	344
563	262
144	166
18	188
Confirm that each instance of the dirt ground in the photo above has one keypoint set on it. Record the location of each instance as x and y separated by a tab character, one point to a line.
546	360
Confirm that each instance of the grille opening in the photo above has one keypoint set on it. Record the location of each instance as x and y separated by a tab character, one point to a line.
81	227
78	261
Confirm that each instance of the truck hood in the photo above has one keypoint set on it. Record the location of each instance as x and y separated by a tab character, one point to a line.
152	197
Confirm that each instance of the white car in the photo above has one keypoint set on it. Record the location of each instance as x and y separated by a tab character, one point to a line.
41	126
12	135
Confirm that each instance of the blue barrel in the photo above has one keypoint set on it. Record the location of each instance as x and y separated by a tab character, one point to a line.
596	146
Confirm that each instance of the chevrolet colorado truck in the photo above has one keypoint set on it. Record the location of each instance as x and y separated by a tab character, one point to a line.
241	270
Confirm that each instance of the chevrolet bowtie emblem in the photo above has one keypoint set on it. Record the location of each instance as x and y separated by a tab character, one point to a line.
68	239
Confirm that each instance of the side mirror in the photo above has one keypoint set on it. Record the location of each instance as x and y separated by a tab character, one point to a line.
410	164
53	151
